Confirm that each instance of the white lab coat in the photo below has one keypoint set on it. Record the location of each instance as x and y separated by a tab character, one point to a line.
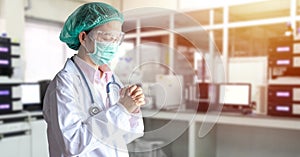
73	132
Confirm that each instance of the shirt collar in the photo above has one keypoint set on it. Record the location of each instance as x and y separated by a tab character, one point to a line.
93	74
107	73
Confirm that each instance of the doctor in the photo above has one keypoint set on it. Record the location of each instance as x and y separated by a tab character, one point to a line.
84	119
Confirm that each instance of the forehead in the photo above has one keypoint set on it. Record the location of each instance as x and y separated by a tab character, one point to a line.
109	26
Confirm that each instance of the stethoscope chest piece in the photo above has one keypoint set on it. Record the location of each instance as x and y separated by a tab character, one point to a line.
93	110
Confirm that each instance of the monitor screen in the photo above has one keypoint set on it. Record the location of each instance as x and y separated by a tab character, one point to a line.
4	49
30	94
235	94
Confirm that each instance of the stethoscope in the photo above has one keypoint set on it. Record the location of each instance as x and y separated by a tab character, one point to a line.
94	109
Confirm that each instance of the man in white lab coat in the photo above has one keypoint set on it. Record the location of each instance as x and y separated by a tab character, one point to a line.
83	120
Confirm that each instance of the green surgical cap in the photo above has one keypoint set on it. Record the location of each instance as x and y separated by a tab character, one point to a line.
85	18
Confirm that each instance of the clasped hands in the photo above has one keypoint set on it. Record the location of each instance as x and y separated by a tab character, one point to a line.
132	98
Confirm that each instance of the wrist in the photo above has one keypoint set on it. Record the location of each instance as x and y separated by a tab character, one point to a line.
129	108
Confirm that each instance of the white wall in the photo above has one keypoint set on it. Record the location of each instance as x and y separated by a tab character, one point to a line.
132	4
12	15
54	10
205	4
57	10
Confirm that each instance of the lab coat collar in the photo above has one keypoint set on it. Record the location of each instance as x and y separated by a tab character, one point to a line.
90	72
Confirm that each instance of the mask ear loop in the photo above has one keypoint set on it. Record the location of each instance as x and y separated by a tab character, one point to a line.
87	50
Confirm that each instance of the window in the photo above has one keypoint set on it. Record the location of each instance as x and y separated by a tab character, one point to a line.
44	53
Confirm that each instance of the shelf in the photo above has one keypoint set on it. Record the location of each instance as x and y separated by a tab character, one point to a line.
14	115
229	118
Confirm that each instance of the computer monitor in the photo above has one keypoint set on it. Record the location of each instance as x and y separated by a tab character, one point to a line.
234	94
31	98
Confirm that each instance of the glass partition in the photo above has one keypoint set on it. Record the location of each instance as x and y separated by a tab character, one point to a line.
253	41
259	10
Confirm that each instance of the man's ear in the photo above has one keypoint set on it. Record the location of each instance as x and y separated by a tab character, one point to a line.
81	37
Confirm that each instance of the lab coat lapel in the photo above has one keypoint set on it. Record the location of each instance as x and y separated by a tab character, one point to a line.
71	67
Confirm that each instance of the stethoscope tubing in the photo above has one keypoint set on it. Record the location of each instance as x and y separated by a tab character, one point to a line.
94	109
85	81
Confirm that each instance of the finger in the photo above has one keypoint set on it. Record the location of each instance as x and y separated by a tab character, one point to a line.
136	94
142	96
140	103
131	89
137	91
136	88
